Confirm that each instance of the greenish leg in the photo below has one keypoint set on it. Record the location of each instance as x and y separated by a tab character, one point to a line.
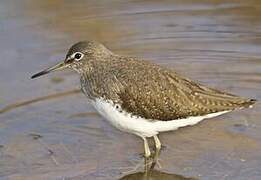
146	148
146	155
157	152
157	143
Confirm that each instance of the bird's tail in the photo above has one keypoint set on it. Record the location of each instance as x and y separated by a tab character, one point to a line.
249	103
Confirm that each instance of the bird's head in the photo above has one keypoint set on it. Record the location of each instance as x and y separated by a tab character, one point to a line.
78	55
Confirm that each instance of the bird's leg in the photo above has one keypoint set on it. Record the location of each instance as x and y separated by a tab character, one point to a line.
157	144
157	151
146	148
146	155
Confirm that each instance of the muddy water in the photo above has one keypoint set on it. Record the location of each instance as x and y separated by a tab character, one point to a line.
58	136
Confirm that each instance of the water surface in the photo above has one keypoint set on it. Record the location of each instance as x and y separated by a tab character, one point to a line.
215	42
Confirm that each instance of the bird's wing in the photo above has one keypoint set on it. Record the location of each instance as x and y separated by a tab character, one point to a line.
156	92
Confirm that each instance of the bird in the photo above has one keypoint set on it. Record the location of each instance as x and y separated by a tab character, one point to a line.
140	97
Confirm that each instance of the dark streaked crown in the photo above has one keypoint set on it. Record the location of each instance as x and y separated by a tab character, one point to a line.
89	48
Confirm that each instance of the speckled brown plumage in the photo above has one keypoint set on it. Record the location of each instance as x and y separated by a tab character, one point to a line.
145	89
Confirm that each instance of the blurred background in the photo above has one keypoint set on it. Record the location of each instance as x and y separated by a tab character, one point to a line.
216	42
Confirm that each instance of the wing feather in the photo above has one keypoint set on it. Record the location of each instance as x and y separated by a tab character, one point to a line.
160	93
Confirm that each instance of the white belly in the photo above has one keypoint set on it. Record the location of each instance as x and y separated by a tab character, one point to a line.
140	126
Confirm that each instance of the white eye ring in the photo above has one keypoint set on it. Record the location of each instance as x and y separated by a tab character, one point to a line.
77	56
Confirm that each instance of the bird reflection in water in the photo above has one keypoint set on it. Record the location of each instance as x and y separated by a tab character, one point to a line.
150	173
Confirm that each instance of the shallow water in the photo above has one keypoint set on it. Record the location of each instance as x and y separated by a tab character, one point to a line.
215	42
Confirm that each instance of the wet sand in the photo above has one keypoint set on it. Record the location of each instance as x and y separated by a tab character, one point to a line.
45	134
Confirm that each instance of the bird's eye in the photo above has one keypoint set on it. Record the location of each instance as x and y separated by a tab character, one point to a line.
78	56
